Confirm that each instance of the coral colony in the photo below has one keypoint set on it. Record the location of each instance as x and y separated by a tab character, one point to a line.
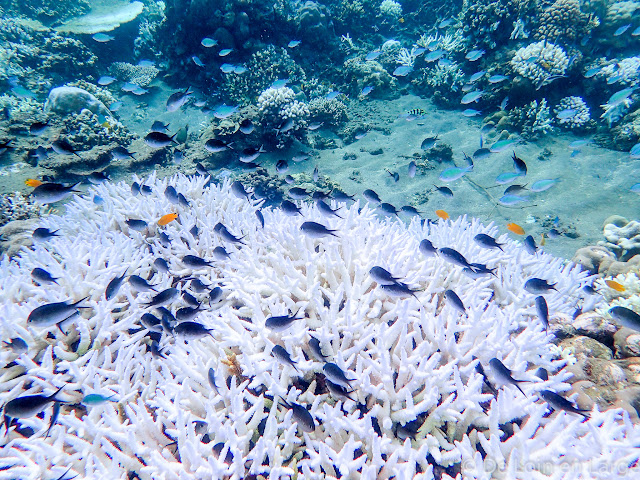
313	347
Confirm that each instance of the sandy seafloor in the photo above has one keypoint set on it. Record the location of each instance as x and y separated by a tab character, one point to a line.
593	184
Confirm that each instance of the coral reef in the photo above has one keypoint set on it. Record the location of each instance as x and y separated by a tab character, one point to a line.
22	111
314	22
278	105
263	68
69	100
418	402
531	121
16	206
625	135
331	112
539	61
623	72
358	73
86	130
48	12
141	75
563	20
390	10
489	23
441	81
41	58
572	112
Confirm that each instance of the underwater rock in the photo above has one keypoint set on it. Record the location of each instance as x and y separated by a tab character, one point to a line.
15	235
67	100
314	22
627	343
586	347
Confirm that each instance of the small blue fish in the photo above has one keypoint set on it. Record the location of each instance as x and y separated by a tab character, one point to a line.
470	112
636	188
115	106
454	173
578	143
106	80
474	55
197	60
636	32
566	113
366	90
501	145
592	72
239	69
372	55
621	30
96	399
225	51
508	200
293	43
146	63
477	76
224	111
435	55
472	97
332	95
227	68
542	185
280	83
497	78
402	71
207	42
635	151
102	37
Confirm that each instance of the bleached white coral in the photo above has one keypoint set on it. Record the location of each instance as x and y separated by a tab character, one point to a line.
412	359
448	42
572	112
617	105
408	57
625	72
539	61
390	9
278	104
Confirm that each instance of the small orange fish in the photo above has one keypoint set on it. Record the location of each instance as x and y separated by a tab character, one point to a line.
543	240
515	228
615	285
168	218
32	182
442	214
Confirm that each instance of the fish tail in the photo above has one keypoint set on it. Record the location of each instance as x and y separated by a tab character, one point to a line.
53	397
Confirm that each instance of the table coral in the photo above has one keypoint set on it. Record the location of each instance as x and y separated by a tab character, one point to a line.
418	403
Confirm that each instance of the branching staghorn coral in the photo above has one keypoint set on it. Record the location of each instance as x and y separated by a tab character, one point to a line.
418	403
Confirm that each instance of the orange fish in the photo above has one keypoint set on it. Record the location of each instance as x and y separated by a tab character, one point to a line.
515	228
442	214
168	218
615	285
32	182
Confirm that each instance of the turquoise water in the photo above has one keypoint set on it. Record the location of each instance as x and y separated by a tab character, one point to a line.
163	49
405	98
